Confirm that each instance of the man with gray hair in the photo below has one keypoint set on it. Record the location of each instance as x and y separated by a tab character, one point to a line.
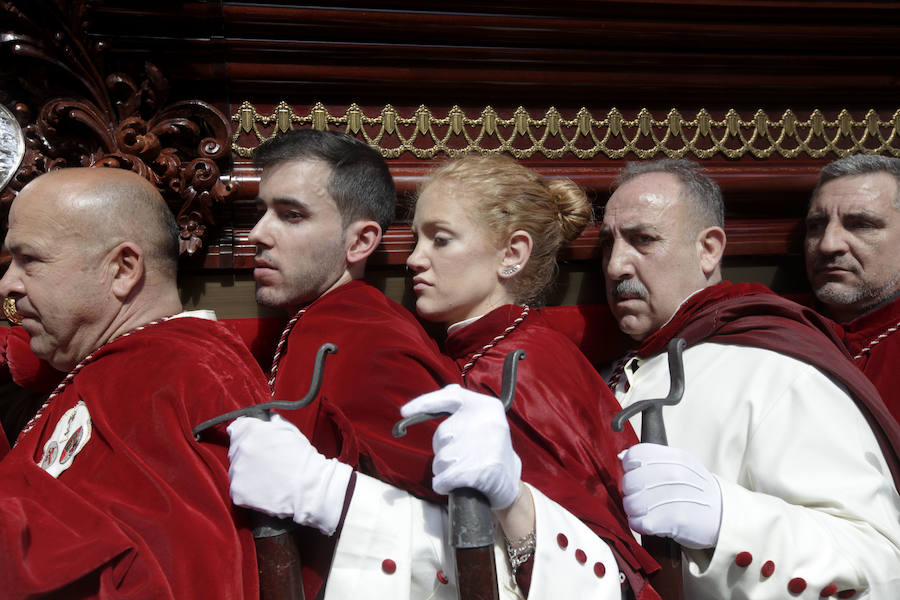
777	480
852	249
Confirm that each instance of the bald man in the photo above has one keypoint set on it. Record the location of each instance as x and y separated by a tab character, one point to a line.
106	493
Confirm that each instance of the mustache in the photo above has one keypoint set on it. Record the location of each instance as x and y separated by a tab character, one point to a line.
263	256
630	287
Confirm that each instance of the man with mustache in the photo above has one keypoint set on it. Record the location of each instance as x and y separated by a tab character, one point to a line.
777	480
852	251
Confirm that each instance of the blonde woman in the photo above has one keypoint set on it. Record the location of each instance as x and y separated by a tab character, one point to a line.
488	234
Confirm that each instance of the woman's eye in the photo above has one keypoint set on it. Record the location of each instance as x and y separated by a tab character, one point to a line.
441	241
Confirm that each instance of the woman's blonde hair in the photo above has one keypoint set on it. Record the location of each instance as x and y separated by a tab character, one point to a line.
511	197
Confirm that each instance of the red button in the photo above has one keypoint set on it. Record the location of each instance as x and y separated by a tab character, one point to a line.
797	585
828	590
847	594
743	559
388	566
562	540
767	569
580	556
599	569
442	578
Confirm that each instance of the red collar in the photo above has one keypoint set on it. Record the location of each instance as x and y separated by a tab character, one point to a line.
695	304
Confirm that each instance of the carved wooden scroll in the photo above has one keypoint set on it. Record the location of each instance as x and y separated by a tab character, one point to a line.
89	119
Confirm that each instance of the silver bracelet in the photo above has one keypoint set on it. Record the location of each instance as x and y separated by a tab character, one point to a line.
520	551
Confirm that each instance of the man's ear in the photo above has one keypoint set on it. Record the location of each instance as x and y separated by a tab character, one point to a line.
126	262
362	238
711	247
516	253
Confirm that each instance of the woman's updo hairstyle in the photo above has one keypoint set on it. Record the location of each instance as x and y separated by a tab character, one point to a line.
511	197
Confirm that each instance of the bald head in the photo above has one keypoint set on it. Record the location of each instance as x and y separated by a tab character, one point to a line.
103	207
93	255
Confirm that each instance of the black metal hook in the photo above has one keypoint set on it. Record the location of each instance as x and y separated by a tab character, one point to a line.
653	429
261	411
507	393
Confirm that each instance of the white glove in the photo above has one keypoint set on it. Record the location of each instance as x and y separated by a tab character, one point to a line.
274	469
472	447
669	493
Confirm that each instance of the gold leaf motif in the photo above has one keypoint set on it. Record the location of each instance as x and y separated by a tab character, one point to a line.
762	122
521	119
703	118
674	122
872	123
246	118
584	121
732	122
644	121
283	118
489	119
389	118
456	120
615	122
553	121
354	119
817	123
844	121
423	119
790	123
319	117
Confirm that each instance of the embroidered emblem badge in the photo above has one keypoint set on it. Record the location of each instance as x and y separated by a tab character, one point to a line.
71	434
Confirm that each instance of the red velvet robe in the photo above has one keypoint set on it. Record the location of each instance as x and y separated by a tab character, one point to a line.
560	422
881	361
25	379
143	509
749	314
384	360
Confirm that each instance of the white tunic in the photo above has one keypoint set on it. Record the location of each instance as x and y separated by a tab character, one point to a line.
807	497
395	546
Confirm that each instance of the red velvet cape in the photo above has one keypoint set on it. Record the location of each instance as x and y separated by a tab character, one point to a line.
144	509
27	380
881	363
749	314
560	424
384	360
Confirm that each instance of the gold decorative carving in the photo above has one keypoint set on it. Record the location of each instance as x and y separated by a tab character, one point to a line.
424	134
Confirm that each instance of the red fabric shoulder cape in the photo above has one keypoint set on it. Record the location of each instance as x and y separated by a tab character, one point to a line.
560	425
143	510
750	314
384	360
873	340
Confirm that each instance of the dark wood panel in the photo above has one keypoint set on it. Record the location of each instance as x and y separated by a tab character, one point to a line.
756	238
690	53
779	192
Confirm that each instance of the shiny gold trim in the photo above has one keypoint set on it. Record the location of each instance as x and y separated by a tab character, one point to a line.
9	311
425	135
